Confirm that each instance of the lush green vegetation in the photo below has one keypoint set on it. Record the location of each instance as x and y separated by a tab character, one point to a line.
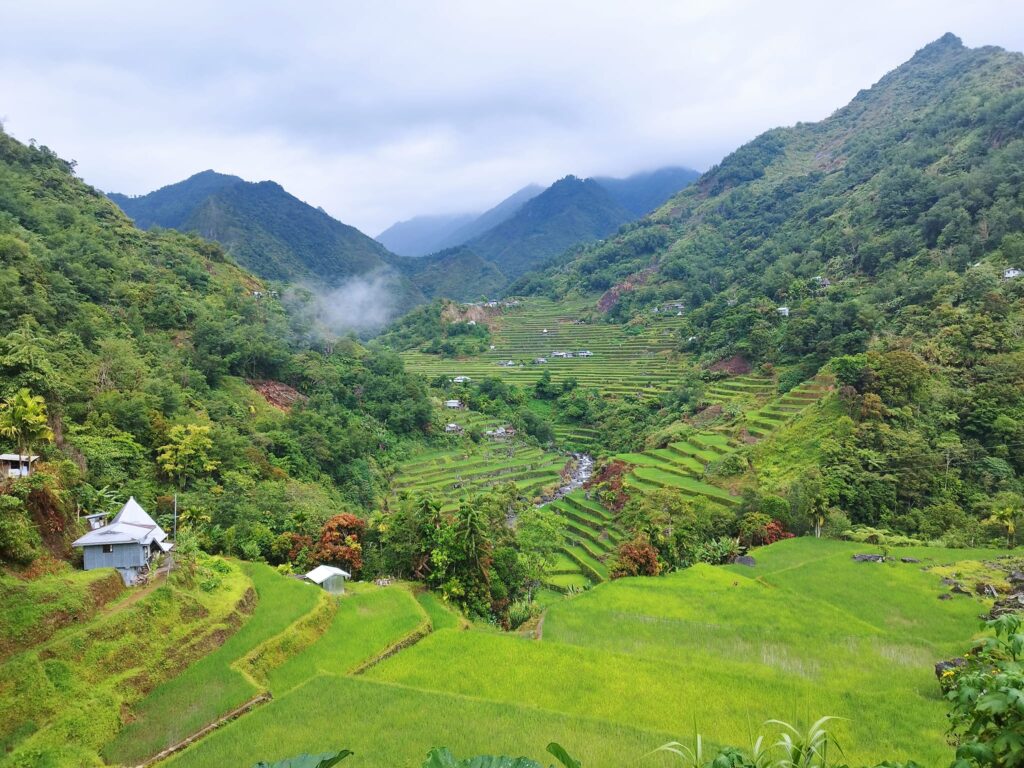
627	666
144	346
213	686
871	244
265	229
63	698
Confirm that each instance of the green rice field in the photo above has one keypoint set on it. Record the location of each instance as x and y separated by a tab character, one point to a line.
629	664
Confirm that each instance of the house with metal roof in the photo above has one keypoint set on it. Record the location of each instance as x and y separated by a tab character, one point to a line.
15	465
329	578
128	543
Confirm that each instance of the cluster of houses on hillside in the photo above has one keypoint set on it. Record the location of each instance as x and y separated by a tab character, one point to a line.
674	306
498	433
563	356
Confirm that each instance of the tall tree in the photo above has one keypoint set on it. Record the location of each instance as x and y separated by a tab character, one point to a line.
23	419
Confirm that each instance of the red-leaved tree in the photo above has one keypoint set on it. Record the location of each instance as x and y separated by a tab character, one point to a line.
340	543
636	558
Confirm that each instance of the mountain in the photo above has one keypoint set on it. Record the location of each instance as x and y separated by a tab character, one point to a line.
421	235
492	217
428	234
877	251
455	273
569	212
264	228
642	192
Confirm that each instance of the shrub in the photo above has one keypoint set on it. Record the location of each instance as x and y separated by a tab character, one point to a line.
19	538
636	558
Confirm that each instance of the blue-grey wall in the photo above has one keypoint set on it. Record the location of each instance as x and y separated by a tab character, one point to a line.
123	556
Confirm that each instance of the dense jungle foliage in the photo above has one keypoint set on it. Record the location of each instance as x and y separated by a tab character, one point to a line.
142	344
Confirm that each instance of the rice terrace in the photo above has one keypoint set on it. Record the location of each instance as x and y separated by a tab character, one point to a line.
643	432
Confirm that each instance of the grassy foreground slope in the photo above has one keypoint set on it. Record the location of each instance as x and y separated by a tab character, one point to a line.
63	698
631	663
211	687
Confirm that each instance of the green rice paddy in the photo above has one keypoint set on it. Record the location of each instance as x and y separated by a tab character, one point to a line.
630	664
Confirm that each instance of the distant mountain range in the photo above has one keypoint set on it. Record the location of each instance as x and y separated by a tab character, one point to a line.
635	196
267	230
279	237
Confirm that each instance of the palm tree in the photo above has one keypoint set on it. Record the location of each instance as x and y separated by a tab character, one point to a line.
1005	509
23	419
471	529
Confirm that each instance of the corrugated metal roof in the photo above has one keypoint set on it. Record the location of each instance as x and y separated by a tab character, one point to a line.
130	525
322	573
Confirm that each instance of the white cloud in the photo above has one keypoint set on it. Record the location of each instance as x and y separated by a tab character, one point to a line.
380	111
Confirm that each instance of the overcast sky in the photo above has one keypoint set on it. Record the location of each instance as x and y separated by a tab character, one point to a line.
381	110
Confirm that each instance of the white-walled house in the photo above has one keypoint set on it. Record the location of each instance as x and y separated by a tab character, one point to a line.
1012	273
16	465
328	578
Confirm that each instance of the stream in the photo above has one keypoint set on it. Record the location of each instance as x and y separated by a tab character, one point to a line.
581	473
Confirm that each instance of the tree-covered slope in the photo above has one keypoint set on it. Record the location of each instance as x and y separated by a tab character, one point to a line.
874	242
143	345
642	192
568	212
456	273
265	229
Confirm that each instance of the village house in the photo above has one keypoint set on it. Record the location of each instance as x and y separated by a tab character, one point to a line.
501	433
1012	273
328	578
453	429
783	311
507	363
461	380
454	404
559	354
16	465
584	353
128	543
539	360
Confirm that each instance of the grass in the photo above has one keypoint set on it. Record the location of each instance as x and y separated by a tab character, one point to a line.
630	664
62	700
34	610
212	686
393	727
806	632
441	616
367	622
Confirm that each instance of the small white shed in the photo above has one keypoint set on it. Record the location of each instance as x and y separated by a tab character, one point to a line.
329	578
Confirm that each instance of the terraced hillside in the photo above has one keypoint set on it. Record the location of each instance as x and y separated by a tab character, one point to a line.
447	474
762	421
592	537
626	361
635	663
680	465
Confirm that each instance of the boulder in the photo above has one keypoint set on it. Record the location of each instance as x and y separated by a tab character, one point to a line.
945	596
869	558
745	560
985	590
942	666
909	560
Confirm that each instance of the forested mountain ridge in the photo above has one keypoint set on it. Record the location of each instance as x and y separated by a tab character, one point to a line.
880	243
641	193
266	230
143	344
568	212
